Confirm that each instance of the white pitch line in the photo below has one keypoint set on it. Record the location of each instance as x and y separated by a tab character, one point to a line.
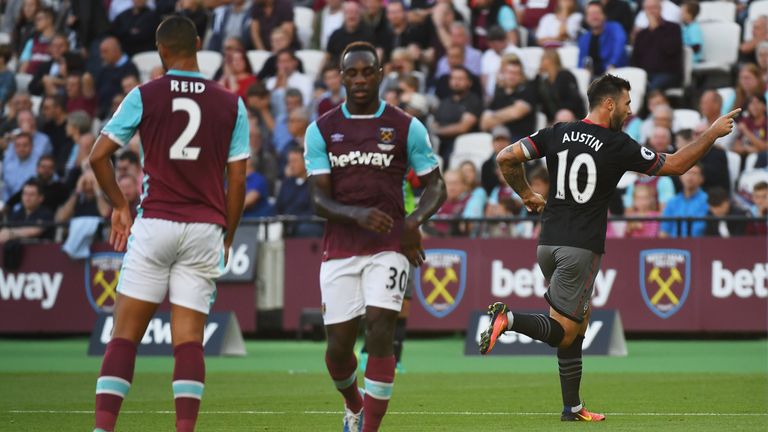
419	413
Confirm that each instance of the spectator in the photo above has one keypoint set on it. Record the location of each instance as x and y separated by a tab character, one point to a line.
498	46
131	191
49	77
375	17
259	108
288	77
710	107
20	101
720	206
621	12
27	222
11	15
129	82
457	196
196	12
714	164
457	114
662	116
87	200
488	177
128	164
658	49
298	121
692	36
81	94
24	29
513	104
116	65
487	14
281	136
750	83
238	75
557	87
561	27
417	106
660	140
477	198
135	28
747	49
21	167
503	202
41	144
644	204
691	202
334	92
400	66
752	128
35	52
762	59
54	115
263	158
7	77
267	15
54	191
232	20
669	11
530	13
472	57
759	209
327	20
663	190
256	195
404	34
79	130
294	198
601	48
280	42
89	21
353	29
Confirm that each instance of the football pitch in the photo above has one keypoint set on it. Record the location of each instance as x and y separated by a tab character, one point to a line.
48	385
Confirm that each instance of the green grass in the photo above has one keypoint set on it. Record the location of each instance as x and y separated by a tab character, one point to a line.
282	386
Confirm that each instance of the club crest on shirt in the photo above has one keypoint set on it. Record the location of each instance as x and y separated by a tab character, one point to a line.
440	282
386	138
665	279
102	271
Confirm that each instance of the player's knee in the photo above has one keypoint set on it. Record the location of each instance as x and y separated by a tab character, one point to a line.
569	335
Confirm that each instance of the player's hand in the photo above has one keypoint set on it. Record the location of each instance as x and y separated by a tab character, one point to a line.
121	227
724	125
410	244
374	220
534	203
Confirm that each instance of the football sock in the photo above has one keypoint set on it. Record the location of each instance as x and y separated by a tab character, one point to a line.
379	380
188	383
537	326
344	376
399	338
114	381
569	362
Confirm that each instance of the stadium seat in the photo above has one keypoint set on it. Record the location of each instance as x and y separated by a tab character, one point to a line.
22	81
476	147
312	60
541	120
717	11
5	39
720	46
638	78
145	62
734	167
727	93
757	8
257	58
749	179
522	36
209	62
687	72
531	60
685	119
582	79
750	162
303	19
462	6
569	56
36	101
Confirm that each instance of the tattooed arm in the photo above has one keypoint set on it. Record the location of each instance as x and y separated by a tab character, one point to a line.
510	161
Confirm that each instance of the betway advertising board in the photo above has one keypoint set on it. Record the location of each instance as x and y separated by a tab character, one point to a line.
659	285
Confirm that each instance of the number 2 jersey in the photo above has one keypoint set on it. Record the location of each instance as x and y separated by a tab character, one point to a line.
585	162
367	157
190	127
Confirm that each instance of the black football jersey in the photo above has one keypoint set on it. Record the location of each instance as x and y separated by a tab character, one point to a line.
585	162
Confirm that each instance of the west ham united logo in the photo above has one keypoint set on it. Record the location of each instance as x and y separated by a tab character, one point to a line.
386	138
665	277
102	271
440	282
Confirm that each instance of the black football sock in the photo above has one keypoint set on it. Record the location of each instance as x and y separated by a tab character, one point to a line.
399	338
569	361
539	327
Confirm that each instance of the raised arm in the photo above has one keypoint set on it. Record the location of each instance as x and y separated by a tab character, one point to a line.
684	158
510	161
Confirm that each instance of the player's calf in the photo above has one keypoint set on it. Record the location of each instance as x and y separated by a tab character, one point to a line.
114	382
188	383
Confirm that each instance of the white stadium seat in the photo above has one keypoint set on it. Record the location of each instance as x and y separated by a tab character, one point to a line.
36	102
22	81
750	162
717	11
569	56
209	62
734	167
638	78
582	79
313	61
749	179
303	19
757	8
720	46
685	119
257	58
728	94
145	62
476	147
531	60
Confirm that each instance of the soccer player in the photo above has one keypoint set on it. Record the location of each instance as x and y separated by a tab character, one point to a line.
191	130
585	160
357	155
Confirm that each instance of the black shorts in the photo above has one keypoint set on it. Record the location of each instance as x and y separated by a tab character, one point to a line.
571	274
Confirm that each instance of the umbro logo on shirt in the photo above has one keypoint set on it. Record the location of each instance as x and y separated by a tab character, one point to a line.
337	137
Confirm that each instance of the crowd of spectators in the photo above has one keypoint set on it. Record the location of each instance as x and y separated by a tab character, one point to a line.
65	66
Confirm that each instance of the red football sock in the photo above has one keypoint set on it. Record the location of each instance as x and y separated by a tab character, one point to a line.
344	376
114	381
188	383
379	379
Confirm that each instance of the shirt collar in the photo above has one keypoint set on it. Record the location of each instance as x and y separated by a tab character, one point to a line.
377	114
188	74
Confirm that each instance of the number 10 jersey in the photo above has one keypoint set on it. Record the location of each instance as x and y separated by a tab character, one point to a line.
190	127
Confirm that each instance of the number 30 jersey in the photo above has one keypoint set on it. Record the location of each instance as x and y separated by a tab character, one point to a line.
585	162
190	127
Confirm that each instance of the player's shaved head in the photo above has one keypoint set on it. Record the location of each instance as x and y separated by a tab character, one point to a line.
178	34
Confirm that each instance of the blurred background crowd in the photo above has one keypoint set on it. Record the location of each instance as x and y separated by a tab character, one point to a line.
480	74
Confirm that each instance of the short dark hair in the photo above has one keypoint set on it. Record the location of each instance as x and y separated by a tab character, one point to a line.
59	100
257	89
129	156
760	186
34	183
6	53
47	156
604	87
463	69
178	34
597	3
693	7
717	195
359	46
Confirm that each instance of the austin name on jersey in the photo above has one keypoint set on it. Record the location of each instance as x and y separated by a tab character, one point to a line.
380	160
583	138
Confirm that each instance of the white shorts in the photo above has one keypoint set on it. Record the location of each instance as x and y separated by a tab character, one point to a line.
348	285
184	258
